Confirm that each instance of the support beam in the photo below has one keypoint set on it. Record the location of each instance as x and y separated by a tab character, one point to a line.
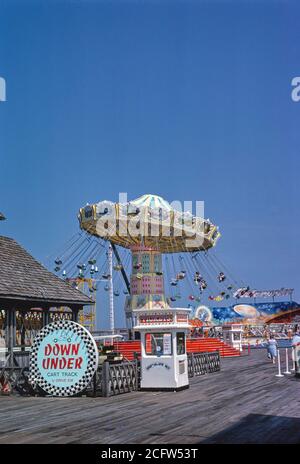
22	314
46	316
116	253
111	292
11	333
75	312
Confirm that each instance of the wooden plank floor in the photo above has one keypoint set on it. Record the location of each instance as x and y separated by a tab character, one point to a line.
244	403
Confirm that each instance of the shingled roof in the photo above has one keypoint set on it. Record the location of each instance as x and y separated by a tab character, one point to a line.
24	278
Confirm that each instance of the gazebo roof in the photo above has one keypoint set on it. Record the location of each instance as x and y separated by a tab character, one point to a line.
23	278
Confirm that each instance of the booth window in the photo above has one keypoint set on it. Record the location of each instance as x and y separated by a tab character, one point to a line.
158	344
180	338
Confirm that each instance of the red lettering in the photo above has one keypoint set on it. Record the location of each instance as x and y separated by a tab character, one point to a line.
54	363
65	349
62	363
75	349
78	363
45	363
55	349
60	355
48	350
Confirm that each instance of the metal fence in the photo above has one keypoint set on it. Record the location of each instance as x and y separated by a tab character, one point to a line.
203	363
14	372
114	379
110	379
124	377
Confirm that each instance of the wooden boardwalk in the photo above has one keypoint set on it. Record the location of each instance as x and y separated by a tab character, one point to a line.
244	403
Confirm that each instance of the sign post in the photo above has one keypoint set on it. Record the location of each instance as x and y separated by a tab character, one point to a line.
63	358
287	362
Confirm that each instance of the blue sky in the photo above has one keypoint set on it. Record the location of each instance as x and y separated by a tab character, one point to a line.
188	100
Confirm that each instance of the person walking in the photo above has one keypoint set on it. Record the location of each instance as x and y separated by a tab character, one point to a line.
272	348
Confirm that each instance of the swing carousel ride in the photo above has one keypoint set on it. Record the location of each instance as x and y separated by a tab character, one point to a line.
169	256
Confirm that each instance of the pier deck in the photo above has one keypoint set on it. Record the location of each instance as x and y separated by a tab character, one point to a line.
244	403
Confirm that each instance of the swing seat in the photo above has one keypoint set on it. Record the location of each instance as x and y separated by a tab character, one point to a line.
117	267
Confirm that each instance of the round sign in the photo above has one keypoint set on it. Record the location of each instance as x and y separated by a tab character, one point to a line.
63	358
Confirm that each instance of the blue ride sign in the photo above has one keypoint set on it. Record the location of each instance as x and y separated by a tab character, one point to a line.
63	358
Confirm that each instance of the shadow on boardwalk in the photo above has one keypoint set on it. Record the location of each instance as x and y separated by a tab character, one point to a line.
244	403
259	428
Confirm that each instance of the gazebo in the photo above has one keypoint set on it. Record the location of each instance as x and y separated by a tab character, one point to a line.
30	297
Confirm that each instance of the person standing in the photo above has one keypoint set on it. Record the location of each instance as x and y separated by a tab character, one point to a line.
295	343
272	348
296	338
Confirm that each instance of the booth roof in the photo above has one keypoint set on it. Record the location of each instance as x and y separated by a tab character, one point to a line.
24	278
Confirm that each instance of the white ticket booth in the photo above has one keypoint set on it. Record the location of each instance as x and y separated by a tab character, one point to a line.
164	363
232	335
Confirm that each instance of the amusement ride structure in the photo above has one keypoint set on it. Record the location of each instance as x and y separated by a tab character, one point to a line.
148	227
156	256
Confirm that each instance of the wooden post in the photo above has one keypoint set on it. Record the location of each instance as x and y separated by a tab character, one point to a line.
207	363
95	384
136	372
75	312
105	380
193	364
7	323
22	315
11	335
46	316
